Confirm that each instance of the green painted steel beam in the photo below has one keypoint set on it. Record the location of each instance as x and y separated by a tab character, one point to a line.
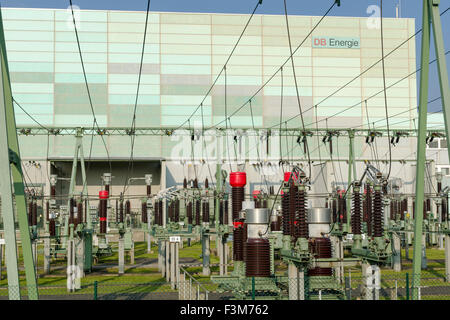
420	163
17	175
148	131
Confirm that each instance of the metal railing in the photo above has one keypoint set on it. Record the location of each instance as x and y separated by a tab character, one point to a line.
186	286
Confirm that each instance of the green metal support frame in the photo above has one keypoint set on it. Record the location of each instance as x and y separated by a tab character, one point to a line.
78	153
431	15
10	151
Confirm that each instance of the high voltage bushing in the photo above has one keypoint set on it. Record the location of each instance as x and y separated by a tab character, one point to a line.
189	212
117	210
170	211
257	246
404	208
149	190
47	211
161	217
157	212
127	208
301	223
121	211
195	186
285	213
205	215
342	209
334	210
225	213
103	196
293	207
444	209
237	181
144	212
377	213
206	183
221	209
177	210
79	218
197	212
71	210
52	227
367	208
34	214
356	216
184	183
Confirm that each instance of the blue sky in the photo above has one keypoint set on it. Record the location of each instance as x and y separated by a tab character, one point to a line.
409	9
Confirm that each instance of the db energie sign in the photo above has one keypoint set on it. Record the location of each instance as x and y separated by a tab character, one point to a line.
335	42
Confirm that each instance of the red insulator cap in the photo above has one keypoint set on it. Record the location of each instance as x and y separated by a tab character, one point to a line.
103	194
238	179
287	175
255	193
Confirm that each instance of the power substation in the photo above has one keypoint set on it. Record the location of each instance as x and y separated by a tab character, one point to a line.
208	156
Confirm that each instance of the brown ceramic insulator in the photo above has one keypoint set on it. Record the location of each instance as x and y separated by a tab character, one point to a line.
184	183
206	183
439	187
225	212
127	207
334	211
367	213
149	190
285	213
161	217
391	210
264	204
320	248
444	209
239	239
221	209
257	203
177	210
156	213
293	203
205	214
425	212
428	202
195	183
171	211
34	215
197	212
404	209
107	188
102	215
52	192
47	211
377	214
343	210
271	190
52	227
257	258
237	196
189	212
80	213
121	211
301	223
276	225
356	216
71	206
144	212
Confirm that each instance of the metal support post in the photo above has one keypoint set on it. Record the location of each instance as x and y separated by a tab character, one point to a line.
167	258
430	14
172	265
71	267
47	254
424	263
397	252
206	254
121	255
293	282
177	264
79	256
447	257
351	167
